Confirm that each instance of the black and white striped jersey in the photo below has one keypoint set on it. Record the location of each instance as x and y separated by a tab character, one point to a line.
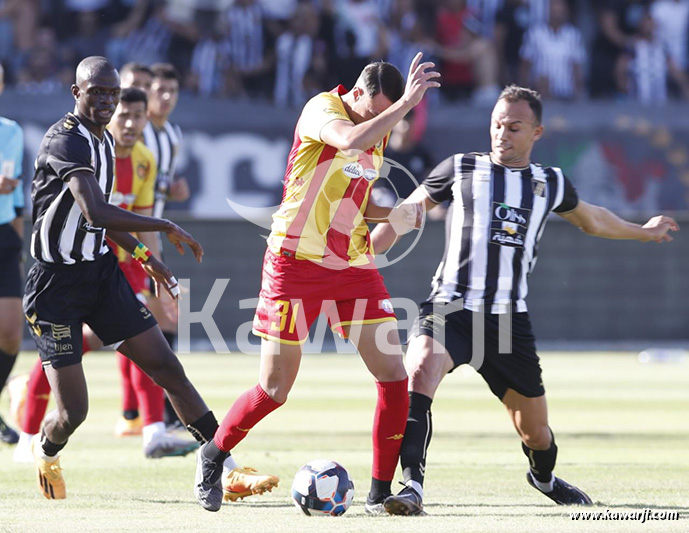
164	143
61	233
496	218
553	56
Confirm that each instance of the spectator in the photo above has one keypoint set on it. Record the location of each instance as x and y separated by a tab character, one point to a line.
360	37
407	35
18	27
649	65
210	60
486	11
294	50
511	24
469	62
89	38
672	22
44	71
281	10
553	56
149	42
618	22
121	32
251	48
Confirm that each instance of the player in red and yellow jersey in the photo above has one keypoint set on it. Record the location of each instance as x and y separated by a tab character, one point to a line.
135	175
319	260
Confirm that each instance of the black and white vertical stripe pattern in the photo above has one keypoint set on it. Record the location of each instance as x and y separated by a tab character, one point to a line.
246	36
649	71
553	55
493	208
164	143
61	233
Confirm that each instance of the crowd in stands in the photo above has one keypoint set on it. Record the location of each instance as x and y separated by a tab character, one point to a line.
284	51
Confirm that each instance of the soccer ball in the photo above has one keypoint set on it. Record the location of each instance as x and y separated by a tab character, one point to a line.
322	487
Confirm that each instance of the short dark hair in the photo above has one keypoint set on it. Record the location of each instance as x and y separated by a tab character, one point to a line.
515	93
135	67
132	94
166	71
383	77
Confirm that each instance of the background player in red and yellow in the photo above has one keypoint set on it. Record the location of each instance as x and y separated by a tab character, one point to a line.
135	173
319	259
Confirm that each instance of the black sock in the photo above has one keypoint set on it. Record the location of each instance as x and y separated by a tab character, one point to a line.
542	462
417	437
6	364
204	428
379	490
170	338
213	453
169	414
130	414
50	448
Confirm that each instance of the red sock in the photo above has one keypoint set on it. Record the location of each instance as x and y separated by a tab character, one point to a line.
151	397
129	401
245	413
37	396
389	423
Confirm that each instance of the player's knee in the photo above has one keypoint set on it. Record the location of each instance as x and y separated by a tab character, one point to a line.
423	377
536	438
73	417
278	392
393	373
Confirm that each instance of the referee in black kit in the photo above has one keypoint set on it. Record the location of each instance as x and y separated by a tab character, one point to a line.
76	279
500	202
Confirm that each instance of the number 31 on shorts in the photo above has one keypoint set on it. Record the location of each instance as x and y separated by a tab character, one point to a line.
282	314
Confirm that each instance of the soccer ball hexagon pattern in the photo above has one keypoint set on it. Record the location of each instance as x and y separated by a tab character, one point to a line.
322	487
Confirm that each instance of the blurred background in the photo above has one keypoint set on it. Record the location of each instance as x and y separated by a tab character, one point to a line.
613	74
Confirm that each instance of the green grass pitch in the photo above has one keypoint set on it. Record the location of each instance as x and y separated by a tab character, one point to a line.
622	429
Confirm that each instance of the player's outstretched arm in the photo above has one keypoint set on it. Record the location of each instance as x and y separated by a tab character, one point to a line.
101	214
599	222
347	136
402	219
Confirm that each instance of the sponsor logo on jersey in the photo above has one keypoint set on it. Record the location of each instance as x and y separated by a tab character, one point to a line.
353	170
509	225
504	239
510	214
370	174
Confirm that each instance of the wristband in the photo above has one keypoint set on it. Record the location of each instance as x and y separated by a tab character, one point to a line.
173	286
141	253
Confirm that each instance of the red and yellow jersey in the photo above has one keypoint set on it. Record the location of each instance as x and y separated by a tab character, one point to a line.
135	178
321	217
